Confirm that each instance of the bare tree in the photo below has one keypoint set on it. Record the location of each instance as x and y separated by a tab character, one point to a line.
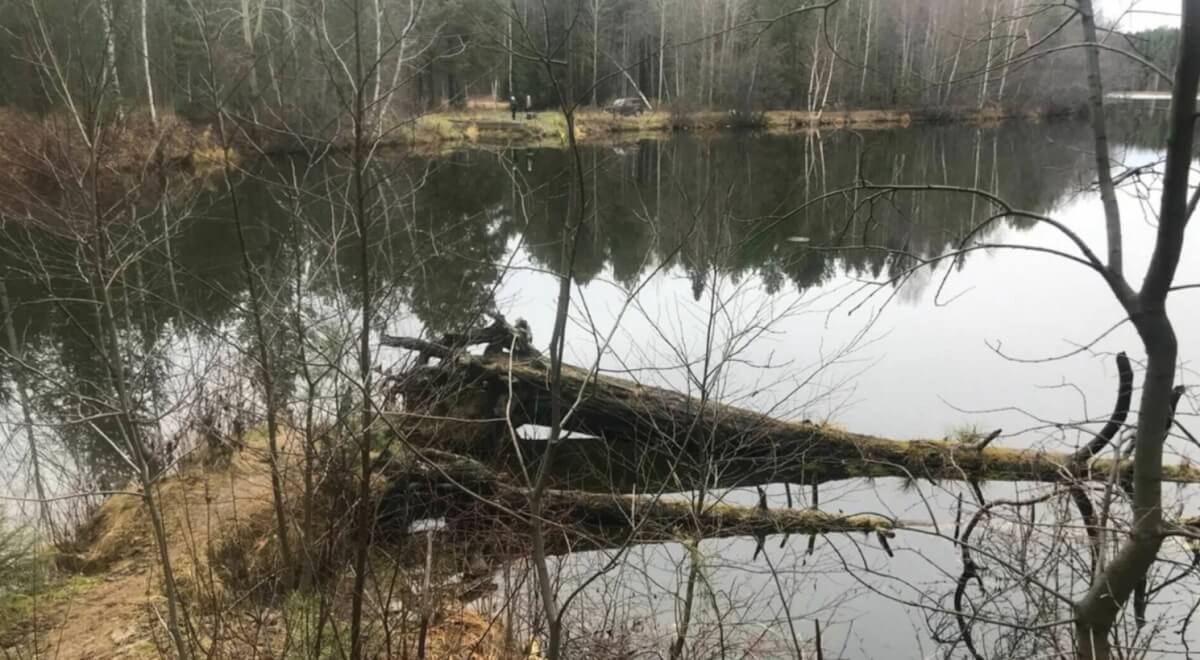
146	67
1146	307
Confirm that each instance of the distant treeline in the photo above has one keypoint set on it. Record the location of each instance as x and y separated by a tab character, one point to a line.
288	56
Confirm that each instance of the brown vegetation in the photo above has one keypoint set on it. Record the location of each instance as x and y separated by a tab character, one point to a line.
33	149
36	153
107	600
484	127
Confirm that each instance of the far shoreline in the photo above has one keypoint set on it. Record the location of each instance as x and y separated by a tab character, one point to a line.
176	143
493	128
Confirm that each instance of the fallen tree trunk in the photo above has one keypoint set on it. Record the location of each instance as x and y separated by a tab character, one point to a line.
484	509
649	438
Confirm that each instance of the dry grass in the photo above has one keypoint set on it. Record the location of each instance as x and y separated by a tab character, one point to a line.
486	103
130	141
114	612
484	125
463	633
223	546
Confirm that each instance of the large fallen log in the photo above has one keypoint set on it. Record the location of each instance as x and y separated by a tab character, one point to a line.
648	438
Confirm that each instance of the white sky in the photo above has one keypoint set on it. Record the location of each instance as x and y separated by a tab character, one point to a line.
1133	15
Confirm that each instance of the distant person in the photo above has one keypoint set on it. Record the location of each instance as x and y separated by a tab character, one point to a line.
529	106
512	107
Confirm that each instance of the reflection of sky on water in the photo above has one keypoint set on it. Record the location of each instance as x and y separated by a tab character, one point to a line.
932	361
928	362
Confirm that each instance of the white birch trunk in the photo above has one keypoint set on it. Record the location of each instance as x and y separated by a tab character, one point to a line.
595	48
862	83
248	41
146	69
987	60
110	76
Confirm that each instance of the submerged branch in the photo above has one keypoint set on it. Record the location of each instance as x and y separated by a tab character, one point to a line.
479	503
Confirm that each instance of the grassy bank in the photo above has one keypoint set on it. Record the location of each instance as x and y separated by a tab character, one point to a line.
492	127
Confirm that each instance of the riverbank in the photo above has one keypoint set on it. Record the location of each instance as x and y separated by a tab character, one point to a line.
101	596
548	129
39	153
35	150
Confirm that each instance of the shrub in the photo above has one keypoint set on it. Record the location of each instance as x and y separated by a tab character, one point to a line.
19	564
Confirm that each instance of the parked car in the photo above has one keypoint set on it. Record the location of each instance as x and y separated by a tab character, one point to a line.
627	106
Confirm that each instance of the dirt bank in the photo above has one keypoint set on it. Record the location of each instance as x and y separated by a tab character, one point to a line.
105	599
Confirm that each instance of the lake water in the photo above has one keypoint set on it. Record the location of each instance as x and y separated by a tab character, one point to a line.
753	251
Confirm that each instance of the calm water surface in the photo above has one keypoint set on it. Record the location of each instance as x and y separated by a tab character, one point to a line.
808	299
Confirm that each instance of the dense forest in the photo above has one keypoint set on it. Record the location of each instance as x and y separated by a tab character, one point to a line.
684	54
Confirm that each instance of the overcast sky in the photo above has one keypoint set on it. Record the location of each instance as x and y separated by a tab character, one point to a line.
1136	15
